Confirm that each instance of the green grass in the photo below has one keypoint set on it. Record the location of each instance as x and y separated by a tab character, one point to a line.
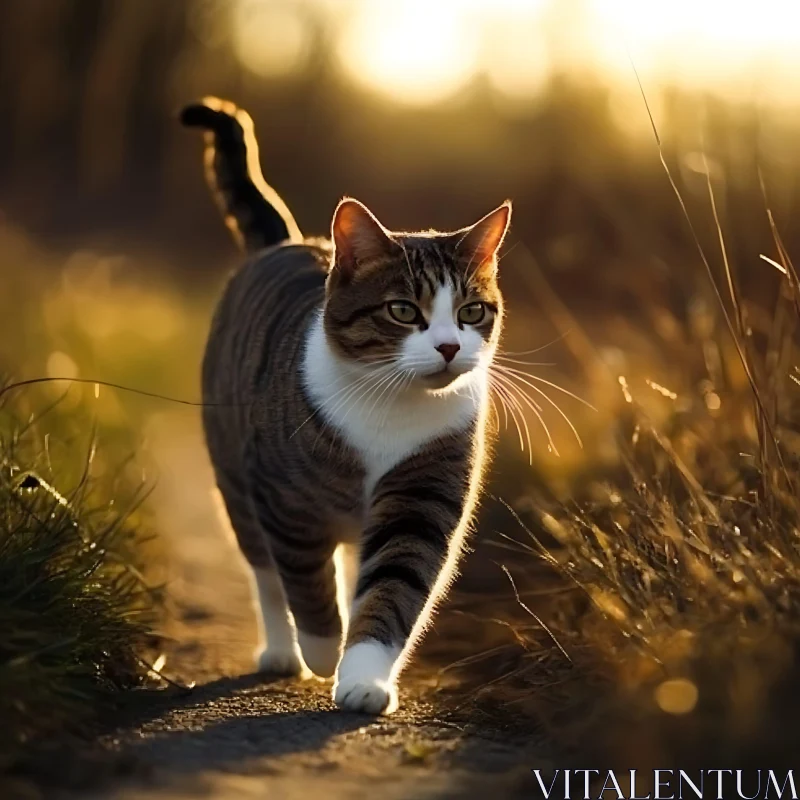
74	609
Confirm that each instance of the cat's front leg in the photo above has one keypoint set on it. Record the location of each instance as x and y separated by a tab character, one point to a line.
417	518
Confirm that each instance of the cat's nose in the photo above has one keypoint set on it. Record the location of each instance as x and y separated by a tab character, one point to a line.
448	351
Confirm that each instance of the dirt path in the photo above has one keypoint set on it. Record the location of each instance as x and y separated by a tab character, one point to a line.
244	738
238	735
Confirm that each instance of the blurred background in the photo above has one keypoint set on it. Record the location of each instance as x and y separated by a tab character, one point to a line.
431	112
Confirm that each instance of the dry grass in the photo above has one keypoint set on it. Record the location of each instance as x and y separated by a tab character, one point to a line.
658	615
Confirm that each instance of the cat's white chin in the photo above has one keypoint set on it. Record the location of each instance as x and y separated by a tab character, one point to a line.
438	380
445	381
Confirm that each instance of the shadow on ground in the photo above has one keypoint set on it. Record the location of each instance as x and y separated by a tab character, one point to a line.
235	736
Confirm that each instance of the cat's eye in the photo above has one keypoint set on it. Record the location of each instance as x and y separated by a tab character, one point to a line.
472	314
404	312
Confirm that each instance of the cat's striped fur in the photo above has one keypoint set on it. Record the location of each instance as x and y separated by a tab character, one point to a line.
347	428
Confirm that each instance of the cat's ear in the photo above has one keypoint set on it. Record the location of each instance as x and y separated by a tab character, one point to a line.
479	243
358	237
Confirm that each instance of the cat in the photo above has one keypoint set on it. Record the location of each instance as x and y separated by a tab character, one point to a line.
350	448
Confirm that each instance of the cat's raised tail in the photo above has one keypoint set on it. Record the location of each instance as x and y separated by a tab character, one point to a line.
253	210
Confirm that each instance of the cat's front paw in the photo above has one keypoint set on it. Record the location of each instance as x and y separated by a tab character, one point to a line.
365	696
280	661
365	681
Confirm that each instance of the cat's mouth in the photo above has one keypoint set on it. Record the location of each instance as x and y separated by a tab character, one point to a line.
445	369
441	377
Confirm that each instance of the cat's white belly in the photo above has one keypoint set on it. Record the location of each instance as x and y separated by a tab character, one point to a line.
384	430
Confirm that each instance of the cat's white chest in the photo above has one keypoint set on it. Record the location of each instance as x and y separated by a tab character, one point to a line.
383	426
388	437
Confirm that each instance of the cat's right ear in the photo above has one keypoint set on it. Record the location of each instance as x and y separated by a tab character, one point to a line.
358	238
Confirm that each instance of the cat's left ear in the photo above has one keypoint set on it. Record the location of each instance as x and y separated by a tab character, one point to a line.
358	238
480	243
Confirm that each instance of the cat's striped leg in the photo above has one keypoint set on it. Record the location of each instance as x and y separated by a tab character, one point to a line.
277	652
309	579
302	550
417	519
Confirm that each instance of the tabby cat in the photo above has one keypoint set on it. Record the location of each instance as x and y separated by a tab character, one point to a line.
351	441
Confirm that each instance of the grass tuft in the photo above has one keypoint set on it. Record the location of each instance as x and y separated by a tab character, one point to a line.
74	609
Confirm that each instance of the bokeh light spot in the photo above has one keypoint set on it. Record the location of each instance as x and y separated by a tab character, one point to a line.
518	61
677	696
416	52
271	39
60	365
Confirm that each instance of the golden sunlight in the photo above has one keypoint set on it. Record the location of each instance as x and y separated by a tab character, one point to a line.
422	52
735	48
417	52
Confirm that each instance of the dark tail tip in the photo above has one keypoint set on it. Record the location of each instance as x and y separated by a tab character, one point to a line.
210	114
251	207
197	116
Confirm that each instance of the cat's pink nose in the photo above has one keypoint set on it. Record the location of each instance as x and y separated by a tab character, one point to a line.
448	351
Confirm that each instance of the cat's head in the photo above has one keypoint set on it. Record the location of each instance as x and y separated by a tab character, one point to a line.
426	303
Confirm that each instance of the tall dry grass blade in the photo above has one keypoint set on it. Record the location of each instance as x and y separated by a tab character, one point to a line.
762	412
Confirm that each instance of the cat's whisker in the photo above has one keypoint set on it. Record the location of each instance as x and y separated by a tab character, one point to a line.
495	412
548	383
537	410
507	360
504	404
359	381
537	349
315	412
382	378
364	383
507	253
508	403
360	391
549	399
494	405
406	377
388	359
367	393
381	371
521	411
376	403
362	378
474	397
513	406
507	378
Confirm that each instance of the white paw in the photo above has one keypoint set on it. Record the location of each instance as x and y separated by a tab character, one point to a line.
365	696
280	661
321	653
366	678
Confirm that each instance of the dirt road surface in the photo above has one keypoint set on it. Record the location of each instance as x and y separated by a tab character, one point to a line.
238	735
